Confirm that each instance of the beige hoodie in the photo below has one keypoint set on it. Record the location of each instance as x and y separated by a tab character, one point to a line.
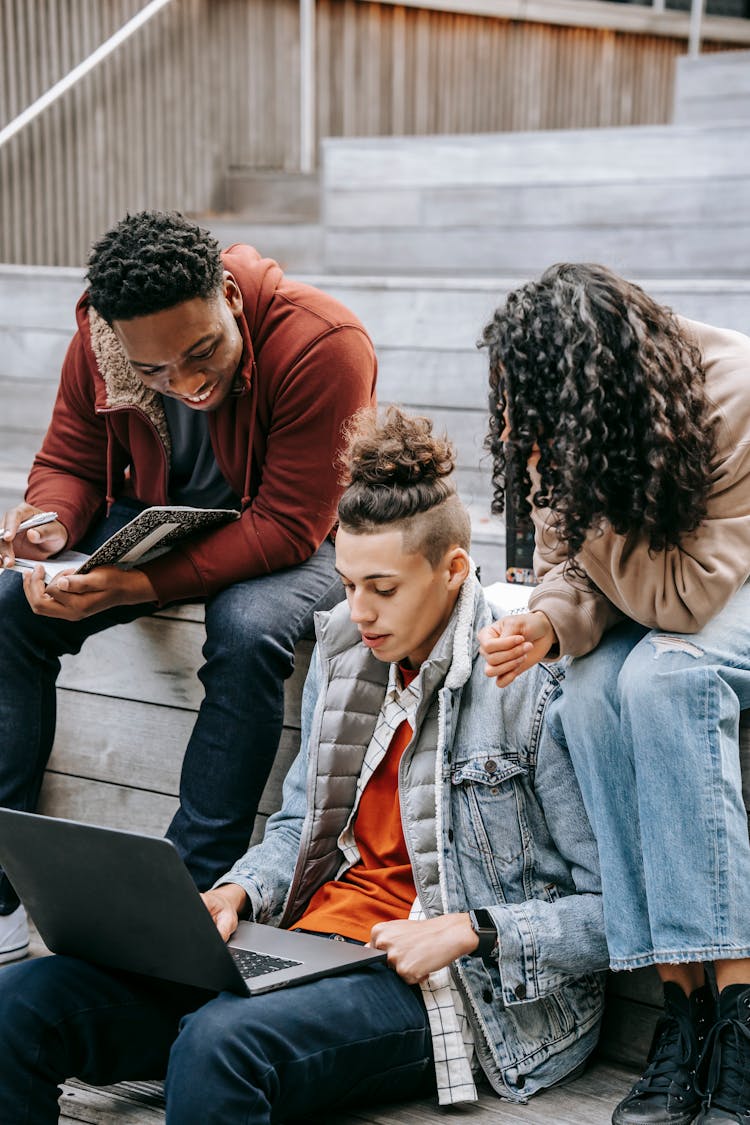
678	590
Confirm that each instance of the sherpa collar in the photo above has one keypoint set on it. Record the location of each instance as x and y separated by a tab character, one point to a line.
459	640
122	385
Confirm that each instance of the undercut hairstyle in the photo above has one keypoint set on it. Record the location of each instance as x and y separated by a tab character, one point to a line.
398	475
152	261
604	381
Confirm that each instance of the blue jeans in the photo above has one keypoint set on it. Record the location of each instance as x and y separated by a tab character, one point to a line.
651	723
251	630
350	1039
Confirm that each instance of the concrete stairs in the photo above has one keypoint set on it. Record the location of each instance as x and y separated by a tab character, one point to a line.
653	201
279	212
713	89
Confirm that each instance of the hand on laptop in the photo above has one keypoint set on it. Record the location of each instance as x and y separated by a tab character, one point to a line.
225	904
416	949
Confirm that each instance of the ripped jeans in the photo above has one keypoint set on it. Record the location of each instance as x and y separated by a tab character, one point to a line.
651	723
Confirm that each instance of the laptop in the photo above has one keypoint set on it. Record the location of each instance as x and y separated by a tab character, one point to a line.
127	901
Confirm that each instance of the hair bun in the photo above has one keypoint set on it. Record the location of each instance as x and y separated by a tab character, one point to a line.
395	450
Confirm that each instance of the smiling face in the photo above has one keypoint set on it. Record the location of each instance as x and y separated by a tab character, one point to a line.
191	351
399	602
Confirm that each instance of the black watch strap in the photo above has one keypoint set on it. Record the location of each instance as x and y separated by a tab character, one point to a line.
484	928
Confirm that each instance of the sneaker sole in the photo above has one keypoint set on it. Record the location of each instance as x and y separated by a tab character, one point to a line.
625	1118
16	954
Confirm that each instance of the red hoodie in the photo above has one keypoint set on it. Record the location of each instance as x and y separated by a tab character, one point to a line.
307	366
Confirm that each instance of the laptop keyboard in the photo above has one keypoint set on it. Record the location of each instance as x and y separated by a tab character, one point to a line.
252	964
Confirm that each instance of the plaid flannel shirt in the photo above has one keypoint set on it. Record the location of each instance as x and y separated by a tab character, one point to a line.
453	1045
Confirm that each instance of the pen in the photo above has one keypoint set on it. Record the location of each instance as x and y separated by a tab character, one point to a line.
33	521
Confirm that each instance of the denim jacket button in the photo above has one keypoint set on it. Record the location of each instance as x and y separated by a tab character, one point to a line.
487	996
520	992
490	766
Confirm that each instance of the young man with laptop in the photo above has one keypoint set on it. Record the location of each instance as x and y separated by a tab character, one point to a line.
427	814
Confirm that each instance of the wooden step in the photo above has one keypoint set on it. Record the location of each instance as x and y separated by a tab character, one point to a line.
651	201
295	246
271	197
587	1101
712	89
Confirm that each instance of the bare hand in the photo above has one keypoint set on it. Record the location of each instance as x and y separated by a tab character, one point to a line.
416	949
36	543
72	597
224	904
515	644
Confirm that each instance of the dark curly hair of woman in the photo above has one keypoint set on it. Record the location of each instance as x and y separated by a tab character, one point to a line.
591	370
151	261
397	472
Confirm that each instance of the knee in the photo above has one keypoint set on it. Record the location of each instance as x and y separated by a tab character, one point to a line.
29	636
203	1036
247	630
25	1008
204	1062
14	608
654	672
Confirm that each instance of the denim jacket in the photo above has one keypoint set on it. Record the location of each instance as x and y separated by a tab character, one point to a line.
503	829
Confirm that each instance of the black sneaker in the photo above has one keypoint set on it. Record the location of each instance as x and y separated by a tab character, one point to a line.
725	1066
666	1094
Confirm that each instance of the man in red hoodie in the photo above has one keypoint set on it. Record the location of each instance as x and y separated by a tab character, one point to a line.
201	378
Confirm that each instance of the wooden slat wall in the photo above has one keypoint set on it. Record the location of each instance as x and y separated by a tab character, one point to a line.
210	84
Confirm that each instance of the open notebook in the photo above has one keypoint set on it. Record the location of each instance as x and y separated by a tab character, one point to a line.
150	533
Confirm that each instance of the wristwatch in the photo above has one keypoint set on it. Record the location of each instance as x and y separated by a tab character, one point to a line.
484	928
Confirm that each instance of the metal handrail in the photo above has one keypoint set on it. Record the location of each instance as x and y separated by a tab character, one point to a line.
78	72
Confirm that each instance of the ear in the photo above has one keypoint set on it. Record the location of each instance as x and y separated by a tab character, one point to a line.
232	294
458	566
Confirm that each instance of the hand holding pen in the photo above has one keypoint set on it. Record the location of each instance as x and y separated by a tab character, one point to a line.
43	532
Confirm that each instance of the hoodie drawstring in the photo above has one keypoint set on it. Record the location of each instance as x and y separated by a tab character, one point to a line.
251	439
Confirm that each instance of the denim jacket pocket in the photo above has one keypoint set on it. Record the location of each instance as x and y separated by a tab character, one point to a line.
487	799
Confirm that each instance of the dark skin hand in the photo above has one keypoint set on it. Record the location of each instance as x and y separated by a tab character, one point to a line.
36	543
73	597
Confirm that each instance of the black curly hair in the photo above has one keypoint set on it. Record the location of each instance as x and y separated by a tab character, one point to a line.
397	472
591	370
151	261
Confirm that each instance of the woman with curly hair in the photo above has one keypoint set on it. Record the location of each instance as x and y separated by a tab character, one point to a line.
627	429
